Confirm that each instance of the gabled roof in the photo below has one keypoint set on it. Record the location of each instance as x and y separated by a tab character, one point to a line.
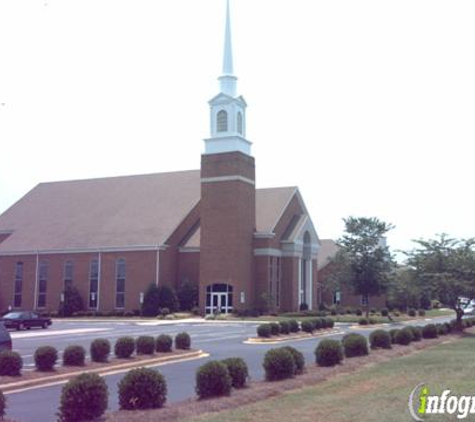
116	213
328	249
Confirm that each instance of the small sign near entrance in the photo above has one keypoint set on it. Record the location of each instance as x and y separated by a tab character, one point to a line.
243	297
141	298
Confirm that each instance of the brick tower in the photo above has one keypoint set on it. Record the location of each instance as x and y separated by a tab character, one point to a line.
228	199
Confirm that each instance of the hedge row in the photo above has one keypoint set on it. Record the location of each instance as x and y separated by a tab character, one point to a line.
292	326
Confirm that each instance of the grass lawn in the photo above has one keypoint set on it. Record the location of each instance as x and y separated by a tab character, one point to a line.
377	393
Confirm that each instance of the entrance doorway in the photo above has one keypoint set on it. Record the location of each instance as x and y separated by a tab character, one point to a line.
219	299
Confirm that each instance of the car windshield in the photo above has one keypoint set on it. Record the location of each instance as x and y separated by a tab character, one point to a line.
13	315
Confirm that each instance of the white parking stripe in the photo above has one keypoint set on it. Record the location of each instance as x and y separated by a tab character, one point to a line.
56	333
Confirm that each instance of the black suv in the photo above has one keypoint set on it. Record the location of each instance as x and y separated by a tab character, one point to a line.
5	339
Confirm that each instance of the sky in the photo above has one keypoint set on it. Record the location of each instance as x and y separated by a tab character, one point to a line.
367	106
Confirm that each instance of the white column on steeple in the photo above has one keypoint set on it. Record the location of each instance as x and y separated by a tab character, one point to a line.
228	80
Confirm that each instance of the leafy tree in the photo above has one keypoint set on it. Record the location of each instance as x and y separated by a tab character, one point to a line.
364	263
404	291
151	301
188	295
167	298
73	301
447	267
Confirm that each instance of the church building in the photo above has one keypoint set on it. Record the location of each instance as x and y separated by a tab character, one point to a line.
112	237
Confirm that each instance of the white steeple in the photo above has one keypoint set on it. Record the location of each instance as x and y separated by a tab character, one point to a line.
228	111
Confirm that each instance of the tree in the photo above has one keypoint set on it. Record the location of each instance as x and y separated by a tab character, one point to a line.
151	301
72	301
364	262
404	291
188	296
167	298
446	266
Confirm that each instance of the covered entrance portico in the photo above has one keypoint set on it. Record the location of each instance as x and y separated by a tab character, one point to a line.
219	299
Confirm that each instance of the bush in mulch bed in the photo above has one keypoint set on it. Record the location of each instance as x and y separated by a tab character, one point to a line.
354	345
284	327
124	347
10	363
238	371
274	328
279	364
294	326
74	355
307	326
264	331
213	379
142	388
182	341
100	350
45	358
145	345
380	339
329	352
393	333
416	333
404	336
429	331
299	359
163	343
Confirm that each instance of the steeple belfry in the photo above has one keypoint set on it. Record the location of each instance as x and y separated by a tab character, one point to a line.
227	110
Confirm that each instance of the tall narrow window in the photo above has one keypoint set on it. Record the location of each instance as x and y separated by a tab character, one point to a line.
120	284
68	273
18	285
275	271
42	284
239	122
278	278
222	121
93	283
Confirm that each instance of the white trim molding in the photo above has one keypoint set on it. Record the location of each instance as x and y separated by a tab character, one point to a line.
190	249
267	252
232	178
264	235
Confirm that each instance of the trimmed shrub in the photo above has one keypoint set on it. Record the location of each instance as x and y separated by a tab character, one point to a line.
441	330
411	312
182	341
299	360
380	339
429	331
3	405
124	347
145	345
238	371
279	364
318	323
448	327
404	336
373	321
329	352
307	326
373	311
163	343
333	312
294	326
213	379
354	345
167	298
142	388
393	333
416	333
421	312
45	358
384	312
363	321
10	363
72	302
328	323
74	356
151	301
100	350
359	312
83	398
264	330
187	296
274	328
284	327
164	312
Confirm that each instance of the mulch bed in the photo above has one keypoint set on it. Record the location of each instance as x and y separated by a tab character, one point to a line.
262	390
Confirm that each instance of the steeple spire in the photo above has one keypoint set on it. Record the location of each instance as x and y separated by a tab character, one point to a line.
228	80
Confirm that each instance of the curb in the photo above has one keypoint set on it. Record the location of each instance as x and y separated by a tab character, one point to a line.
368	326
122	367
258	340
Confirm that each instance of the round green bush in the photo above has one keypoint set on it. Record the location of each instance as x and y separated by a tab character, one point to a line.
412	312
384	312
145	345
3	405
284	327
182	341
274	328
83	398
264	330
124	347
45	358
10	363
294	326
363	321
164	312
359	312
307	326
354	345
429	331
278	364
299	359
74	356
404	336
448	327
100	350
163	343
333	312
380	339
318	323
416	333
373	321
393	333
421	312
142	388
329	352
238	371
213	379
441	329
328	323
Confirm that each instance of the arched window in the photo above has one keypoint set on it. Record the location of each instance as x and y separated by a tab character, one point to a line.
239	122
120	283
94	284
42	284
68	273
18	285
222	121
